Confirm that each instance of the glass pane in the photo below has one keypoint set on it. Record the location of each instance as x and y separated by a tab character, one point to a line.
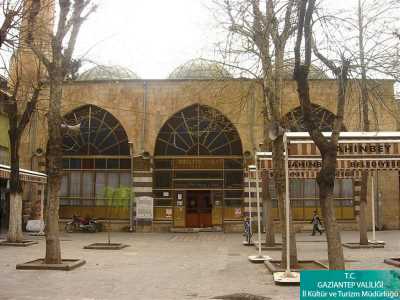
336	190
75	163
87	187
309	188
162	202
234	179
87	164
310	203
296	188
100	184
113	180
75	184
66	163
112	163
347	202
125	164
64	186
347	188
125	180
162	179
233	202
100	163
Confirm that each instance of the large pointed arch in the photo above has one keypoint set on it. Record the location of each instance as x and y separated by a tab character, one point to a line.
198	130
100	134
325	119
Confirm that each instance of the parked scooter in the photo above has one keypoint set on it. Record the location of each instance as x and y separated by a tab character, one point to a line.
82	224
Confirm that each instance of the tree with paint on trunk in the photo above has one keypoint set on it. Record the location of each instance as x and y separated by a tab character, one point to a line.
18	98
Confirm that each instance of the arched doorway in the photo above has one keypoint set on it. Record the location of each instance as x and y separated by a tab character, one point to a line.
304	192
96	162
198	169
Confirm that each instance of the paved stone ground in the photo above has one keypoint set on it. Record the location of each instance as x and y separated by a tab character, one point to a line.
167	266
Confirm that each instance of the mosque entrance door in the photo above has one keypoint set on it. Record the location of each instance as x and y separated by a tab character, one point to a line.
198	209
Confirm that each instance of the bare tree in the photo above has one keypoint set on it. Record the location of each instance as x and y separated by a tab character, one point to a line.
261	29
19	106
59	63
326	146
18	119
367	37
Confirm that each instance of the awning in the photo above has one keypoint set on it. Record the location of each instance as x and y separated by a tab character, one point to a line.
356	151
25	175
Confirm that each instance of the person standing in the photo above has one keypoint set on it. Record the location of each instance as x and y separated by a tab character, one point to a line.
316	221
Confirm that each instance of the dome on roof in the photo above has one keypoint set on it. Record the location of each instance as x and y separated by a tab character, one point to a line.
108	73
200	69
315	72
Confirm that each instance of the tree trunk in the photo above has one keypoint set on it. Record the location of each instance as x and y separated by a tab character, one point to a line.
54	168
15	234
15	222
326	182
362	217
279	178
267	211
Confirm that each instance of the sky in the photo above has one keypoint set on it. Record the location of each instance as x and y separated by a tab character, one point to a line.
153	37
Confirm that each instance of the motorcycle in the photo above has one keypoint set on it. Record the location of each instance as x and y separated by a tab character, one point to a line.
82	224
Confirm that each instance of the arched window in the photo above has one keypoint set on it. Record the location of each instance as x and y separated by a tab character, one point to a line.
100	133
294	120
96	161
199	150
198	130
304	193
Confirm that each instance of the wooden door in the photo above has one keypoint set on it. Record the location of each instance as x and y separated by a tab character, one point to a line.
198	209
204	206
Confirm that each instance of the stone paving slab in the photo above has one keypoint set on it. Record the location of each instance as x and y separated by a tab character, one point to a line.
167	266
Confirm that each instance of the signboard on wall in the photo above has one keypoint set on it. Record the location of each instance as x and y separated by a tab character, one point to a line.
198	163
144	208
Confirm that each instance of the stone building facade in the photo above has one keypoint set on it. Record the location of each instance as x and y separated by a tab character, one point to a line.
197	135
185	142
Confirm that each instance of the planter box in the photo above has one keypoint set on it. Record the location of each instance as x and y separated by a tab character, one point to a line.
38	264
106	246
275	266
358	246
24	243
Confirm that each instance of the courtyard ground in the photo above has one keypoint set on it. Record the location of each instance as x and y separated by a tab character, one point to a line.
167	266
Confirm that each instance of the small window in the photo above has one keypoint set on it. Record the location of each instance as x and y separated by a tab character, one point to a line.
112	163
75	163
125	164
87	164
100	163
65	163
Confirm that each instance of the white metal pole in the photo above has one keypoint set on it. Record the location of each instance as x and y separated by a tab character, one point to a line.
373	205
258	207
248	178
287	204
42	210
